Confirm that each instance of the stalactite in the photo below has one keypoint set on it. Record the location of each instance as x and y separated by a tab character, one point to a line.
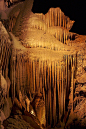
42	75
60	37
65	24
63	20
48	90
28	74
68	73
73	71
58	87
39	76
62	91
64	36
55	96
53	88
64	88
72	84
24	74
18	83
14	76
58	18
50	18
34	76
31	63
66	70
46	95
67	37
45	73
20	73
50	98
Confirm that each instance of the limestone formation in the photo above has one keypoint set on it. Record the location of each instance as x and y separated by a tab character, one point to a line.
46	79
4	86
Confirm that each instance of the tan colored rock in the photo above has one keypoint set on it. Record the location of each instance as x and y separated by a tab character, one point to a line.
4	86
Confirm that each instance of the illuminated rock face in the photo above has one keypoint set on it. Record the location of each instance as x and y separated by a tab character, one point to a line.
2	5
40	70
4	86
39	107
53	22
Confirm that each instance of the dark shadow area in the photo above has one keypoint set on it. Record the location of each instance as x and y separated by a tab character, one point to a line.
71	8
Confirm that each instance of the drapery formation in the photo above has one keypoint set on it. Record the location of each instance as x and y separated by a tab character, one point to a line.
53	79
